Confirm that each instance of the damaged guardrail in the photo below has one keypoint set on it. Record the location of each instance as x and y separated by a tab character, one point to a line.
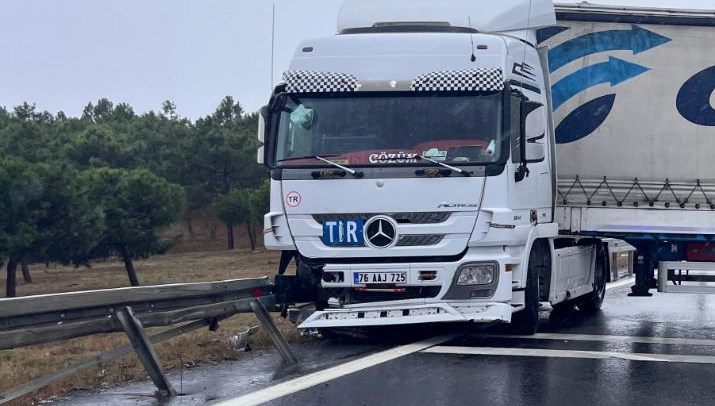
43	319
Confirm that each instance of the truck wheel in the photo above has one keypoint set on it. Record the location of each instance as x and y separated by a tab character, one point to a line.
592	302
526	322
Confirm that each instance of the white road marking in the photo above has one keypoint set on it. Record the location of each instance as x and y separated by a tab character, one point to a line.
542	353
620	284
304	382
428	346
611	338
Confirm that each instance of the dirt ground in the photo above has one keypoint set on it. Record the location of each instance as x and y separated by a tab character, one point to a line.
199	348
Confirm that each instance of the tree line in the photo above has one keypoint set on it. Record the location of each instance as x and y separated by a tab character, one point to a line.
74	189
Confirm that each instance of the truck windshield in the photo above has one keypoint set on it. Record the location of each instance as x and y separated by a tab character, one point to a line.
379	130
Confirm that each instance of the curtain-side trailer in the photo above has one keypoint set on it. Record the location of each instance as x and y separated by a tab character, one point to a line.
633	99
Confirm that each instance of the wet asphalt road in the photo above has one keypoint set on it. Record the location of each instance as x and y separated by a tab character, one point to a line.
627	363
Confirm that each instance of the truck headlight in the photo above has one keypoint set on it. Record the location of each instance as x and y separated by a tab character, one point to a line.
476	274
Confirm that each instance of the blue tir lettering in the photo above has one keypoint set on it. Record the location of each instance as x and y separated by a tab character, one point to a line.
344	233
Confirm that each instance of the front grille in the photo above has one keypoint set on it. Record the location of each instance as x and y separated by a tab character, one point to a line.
420	240
401	218
427	292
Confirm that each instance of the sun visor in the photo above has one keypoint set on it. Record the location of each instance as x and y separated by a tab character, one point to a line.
319	82
481	15
475	80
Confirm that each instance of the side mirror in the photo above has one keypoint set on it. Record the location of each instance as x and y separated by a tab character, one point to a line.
535	152
533	126
534	129
262	119
260	158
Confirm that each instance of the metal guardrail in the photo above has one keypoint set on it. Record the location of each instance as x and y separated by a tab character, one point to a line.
43	319
46	318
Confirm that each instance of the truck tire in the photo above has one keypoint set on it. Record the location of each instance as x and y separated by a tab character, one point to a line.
593	301
526	322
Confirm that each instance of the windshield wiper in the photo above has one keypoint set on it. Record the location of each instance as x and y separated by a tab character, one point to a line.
345	168
327	161
444	165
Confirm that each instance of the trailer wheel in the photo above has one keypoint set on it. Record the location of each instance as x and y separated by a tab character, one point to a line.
592	302
526	322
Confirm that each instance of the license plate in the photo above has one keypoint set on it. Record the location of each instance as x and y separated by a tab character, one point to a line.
344	233
367	278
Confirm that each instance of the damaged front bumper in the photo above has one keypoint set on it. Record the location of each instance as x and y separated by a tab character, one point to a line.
410	314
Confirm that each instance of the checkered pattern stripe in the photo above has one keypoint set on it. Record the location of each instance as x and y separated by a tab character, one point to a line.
298	81
475	80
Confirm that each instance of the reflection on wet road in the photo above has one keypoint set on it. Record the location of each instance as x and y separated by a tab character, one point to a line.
655	351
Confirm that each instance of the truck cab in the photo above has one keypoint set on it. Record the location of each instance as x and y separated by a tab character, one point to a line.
413	171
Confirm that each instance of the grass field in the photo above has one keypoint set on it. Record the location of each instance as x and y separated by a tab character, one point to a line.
199	348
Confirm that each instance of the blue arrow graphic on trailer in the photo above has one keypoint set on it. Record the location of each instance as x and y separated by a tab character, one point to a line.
615	71
636	39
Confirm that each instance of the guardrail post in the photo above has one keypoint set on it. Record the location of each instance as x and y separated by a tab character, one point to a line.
278	340
141	344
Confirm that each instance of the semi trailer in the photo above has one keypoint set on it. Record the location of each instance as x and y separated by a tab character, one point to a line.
463	161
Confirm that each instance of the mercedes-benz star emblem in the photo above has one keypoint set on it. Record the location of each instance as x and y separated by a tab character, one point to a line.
380	232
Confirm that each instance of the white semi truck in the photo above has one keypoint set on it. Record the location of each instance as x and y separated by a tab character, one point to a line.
446	161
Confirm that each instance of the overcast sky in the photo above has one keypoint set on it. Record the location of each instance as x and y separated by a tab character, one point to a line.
62	54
